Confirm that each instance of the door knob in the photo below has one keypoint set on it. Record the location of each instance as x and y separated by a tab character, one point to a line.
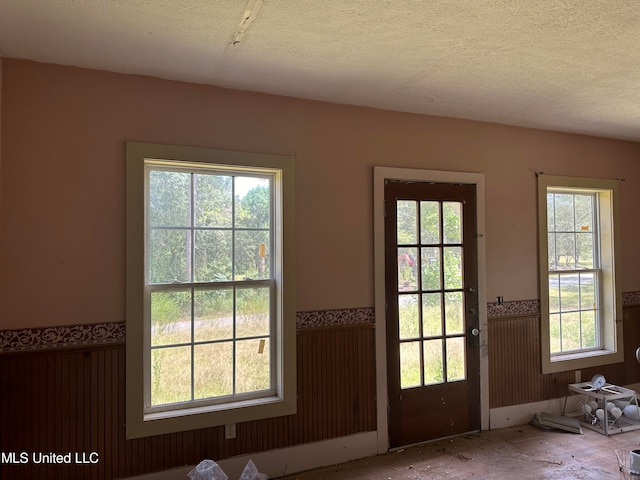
475	332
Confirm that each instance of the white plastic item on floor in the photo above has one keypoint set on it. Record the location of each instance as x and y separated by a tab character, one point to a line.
207	470
250	472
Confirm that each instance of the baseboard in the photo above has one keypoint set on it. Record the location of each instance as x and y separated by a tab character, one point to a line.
287	461
515	415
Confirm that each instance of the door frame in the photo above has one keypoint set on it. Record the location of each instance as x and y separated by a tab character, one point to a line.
380	174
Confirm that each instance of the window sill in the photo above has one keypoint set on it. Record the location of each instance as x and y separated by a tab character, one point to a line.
579	361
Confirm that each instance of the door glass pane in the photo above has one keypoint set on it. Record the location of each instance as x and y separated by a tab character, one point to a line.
410	364
429	222
456	359
170	375
408	317
452	267
213	370
170	317
454	313
431	268
431	314
452	222
433	364
407	269
213	312
407	227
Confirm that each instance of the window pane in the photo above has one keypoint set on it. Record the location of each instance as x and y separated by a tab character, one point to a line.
213	200
569	292
564	213
431	314
554	292
169	199
252	202
456	359
429	222
433	362
407	227
407	269
170	317
410	364
570	331
452	222
170	375
252	312
212	255
454	313
431	268
589	329
452	267
213	370
550	212
213	311
169	256
252	254
554	333
565	251
252	365
584	213
408	317
552	251
584	250
587	291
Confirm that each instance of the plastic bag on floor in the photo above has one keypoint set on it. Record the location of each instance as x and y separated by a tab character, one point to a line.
250	472
207	470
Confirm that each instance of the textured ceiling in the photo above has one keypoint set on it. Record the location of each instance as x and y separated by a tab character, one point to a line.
566	65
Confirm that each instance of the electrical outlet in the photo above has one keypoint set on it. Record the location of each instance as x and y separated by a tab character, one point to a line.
578	376
230	431
500	300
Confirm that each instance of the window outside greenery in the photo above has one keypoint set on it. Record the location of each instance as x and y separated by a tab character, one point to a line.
209	275
580	299
574	271
211	336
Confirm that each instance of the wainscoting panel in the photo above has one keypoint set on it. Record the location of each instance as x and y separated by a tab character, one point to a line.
514	360
73	400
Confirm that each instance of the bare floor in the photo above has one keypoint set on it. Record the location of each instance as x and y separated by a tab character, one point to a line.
512	453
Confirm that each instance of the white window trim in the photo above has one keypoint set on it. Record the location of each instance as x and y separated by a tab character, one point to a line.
284	402
611	295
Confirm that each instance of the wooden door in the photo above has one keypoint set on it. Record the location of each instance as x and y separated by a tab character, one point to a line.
432	310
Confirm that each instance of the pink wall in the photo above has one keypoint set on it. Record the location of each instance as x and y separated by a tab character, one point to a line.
62	184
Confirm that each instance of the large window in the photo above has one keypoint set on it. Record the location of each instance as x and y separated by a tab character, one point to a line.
581	306
208	320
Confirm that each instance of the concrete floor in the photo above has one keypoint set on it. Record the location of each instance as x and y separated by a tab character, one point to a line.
513	453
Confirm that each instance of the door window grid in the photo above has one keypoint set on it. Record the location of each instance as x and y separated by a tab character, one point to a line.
432	342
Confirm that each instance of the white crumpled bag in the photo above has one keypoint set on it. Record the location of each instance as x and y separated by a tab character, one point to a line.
207	470
250	472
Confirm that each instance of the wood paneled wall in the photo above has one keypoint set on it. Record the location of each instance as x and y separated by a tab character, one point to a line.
514	361
74	401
